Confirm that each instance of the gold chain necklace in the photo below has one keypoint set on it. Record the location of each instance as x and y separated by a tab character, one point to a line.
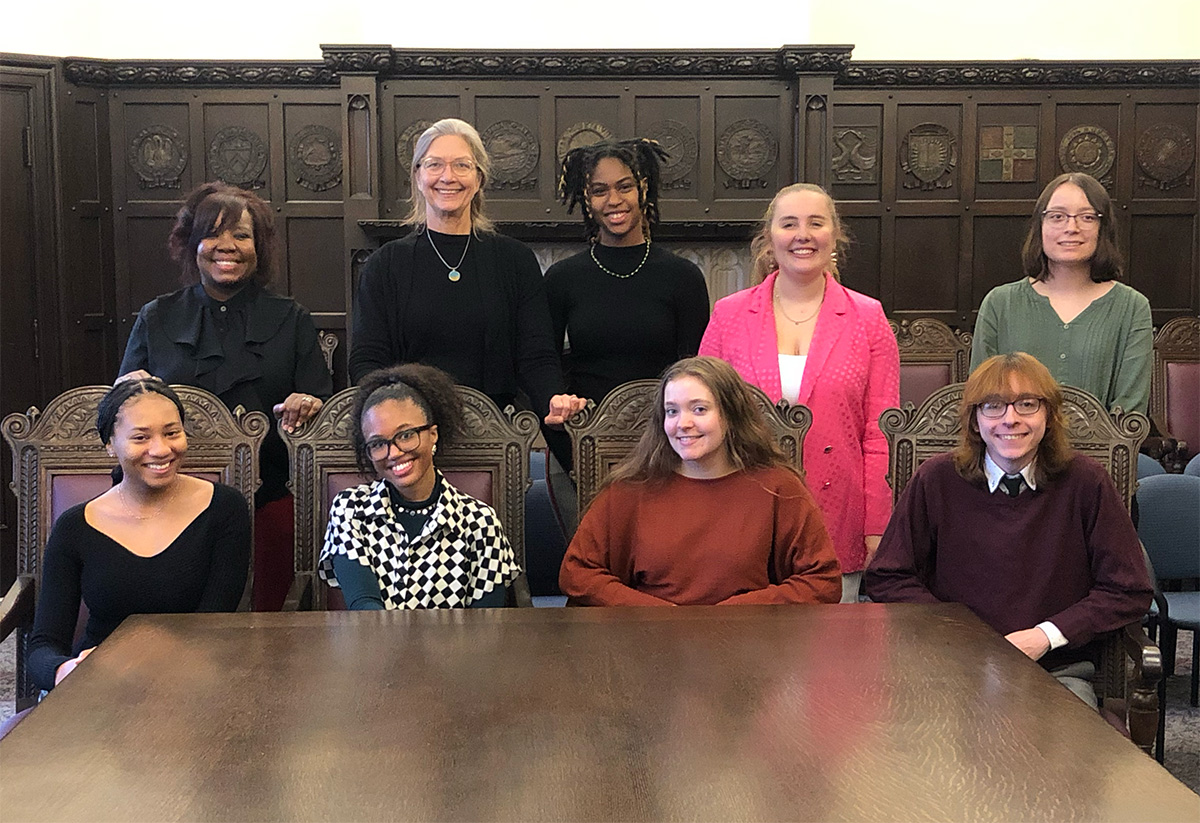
645	257
786	317
129	510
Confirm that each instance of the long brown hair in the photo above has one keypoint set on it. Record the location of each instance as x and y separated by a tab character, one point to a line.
749	442
761	250
994	378
1107	262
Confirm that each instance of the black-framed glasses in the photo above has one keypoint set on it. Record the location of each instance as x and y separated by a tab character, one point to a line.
1058	219
1023	406
405	440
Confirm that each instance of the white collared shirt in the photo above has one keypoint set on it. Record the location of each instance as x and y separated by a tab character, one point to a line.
994	475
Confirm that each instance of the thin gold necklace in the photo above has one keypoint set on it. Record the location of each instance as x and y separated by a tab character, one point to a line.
645	257
129	510
786	317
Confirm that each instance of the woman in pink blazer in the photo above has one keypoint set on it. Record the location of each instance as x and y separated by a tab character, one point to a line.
802	336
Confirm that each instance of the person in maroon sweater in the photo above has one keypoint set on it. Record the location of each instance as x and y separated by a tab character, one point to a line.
1032	536
706	510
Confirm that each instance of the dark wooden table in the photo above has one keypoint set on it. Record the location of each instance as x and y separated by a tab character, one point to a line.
823	713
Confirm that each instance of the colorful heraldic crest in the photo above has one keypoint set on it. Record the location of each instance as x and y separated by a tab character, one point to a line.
746	152
678	141
238	156
856	154
1165	156
406	142
580	134
929	154
159	155
1088	149
514	152
317	158
1007	154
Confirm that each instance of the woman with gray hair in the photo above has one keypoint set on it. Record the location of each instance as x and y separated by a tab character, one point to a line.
455	294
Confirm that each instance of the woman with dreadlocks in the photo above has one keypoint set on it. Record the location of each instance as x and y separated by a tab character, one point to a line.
629	309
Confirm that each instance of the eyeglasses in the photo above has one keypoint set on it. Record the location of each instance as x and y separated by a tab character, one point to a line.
405	440
1023	406
1058	219
460	168
623	187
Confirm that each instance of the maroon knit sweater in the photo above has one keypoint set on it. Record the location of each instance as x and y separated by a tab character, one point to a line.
1067	553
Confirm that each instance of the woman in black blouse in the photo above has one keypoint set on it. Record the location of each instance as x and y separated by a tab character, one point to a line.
226	333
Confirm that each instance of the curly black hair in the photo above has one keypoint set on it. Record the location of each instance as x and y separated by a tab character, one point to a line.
432	390
642	155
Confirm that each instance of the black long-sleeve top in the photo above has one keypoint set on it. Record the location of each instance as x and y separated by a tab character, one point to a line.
202	570
490	330
625	328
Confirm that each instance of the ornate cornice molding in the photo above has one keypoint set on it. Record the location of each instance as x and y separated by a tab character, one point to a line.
84	72
1024	73
401	63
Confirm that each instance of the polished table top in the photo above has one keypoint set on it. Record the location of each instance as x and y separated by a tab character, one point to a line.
865	712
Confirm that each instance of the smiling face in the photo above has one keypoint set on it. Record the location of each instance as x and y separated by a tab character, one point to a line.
1073	242
1012	440
803	234
614	203
411	471
695	428
447	193
148	440
226	258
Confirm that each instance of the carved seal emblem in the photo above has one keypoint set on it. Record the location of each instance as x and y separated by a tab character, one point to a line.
514	152
238	156
407	141
317	158
159	155
1165	154
1088	149
581	134
680	144
746	151
856	154
929	154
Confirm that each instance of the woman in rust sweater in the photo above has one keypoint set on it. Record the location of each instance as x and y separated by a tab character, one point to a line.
705	511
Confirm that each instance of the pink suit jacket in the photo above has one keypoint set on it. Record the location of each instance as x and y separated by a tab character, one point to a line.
852	374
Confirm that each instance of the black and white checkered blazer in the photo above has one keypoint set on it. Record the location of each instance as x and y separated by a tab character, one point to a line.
460	555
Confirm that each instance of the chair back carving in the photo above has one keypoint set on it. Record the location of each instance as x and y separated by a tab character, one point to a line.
489	462
1175	382
328	341
932	355
916	434
59	461
602	436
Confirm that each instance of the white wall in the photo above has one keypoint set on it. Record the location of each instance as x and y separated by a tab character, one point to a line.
879	29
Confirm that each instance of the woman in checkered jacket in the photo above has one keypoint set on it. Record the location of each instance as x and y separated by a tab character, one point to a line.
410	540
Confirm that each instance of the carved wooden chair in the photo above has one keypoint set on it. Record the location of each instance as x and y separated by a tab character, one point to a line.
601	436
1174	393
490	462
1130	665
59	461
932	355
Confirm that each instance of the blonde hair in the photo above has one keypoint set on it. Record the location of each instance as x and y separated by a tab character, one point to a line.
463	129
762	251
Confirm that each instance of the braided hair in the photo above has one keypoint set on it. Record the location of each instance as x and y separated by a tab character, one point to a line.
642	155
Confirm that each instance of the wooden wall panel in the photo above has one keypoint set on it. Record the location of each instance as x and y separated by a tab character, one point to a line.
1163	261
926	265
314	263
509	126
674	121
314	153
149	267
862	271
995	253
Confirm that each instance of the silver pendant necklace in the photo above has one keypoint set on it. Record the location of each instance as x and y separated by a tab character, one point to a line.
454	275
